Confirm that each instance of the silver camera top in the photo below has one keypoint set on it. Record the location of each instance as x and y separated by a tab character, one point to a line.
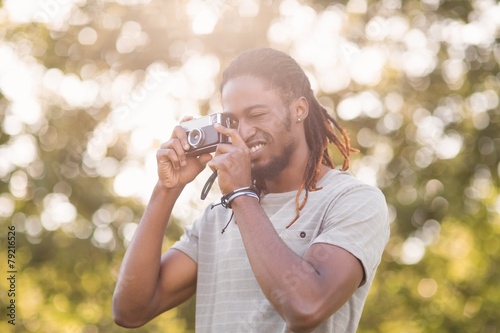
201	134
214	118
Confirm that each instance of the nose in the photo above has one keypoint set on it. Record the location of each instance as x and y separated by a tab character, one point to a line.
245	130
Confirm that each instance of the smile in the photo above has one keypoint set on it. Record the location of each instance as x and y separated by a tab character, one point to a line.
256	148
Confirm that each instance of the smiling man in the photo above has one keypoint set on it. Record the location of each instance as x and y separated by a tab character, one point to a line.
301	240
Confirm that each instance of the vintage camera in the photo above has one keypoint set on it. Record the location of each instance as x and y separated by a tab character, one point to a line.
202	136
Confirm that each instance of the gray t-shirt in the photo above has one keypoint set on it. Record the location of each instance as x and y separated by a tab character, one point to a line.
345	213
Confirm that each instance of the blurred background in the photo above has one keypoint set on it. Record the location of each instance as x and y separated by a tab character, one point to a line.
90	88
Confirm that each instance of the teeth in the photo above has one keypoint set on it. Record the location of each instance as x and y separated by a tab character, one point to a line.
255	148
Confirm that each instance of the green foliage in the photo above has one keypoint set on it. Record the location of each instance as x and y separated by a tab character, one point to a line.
88	91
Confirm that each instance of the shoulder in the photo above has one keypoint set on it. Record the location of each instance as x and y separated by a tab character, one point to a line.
353	207
338	184
356	219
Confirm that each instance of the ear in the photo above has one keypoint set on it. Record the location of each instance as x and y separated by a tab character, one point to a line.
301	109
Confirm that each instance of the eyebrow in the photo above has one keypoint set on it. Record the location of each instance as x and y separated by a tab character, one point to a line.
248	109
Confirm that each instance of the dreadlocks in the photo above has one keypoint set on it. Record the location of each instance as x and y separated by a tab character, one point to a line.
280	72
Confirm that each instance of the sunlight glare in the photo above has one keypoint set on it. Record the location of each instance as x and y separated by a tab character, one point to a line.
18	76
203	16
449	146
420	59
427	288
131	36
57	211
22	150
27	110
130	180
366	103
54	13
249	8
413	251
424	157
367	174
316	41
349	108
357	6
103	237
127	232
366	68
454	71
18	184
87	36
7	205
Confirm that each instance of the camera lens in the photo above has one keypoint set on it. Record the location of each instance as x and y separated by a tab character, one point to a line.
195	137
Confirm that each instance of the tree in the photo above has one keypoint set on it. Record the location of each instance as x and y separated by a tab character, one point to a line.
88	90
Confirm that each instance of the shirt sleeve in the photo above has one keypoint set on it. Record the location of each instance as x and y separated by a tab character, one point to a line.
188	243
357	221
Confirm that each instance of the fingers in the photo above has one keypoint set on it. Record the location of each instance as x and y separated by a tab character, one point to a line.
175	168
232	161
204	159
172	150
180	133
236	138
186	118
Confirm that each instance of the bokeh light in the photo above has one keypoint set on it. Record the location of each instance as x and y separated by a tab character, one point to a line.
90	89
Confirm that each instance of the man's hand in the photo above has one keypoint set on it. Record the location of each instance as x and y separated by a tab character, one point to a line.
175	169
232	161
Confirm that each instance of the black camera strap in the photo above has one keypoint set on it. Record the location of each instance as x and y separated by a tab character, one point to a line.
208	185
228	198
206	189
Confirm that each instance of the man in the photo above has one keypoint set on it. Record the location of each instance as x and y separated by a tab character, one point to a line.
300	240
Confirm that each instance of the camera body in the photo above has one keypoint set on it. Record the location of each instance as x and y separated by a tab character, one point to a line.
202	136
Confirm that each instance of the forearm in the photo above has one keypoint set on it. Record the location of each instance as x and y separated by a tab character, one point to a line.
304	290
276	267
139	273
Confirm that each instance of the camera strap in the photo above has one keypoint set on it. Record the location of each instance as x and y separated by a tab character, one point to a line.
228	198
208	185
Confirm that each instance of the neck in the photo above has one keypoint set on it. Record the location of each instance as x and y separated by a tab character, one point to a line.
289	180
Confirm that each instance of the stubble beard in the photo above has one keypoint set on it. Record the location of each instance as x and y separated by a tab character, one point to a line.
278	163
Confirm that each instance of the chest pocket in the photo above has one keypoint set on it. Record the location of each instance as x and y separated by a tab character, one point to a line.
298	239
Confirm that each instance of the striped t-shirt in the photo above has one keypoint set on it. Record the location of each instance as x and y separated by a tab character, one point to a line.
345	213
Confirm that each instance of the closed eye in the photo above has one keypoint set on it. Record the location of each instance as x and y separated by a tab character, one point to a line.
257	113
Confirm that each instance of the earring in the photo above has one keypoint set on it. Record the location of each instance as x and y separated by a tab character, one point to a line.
298	120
